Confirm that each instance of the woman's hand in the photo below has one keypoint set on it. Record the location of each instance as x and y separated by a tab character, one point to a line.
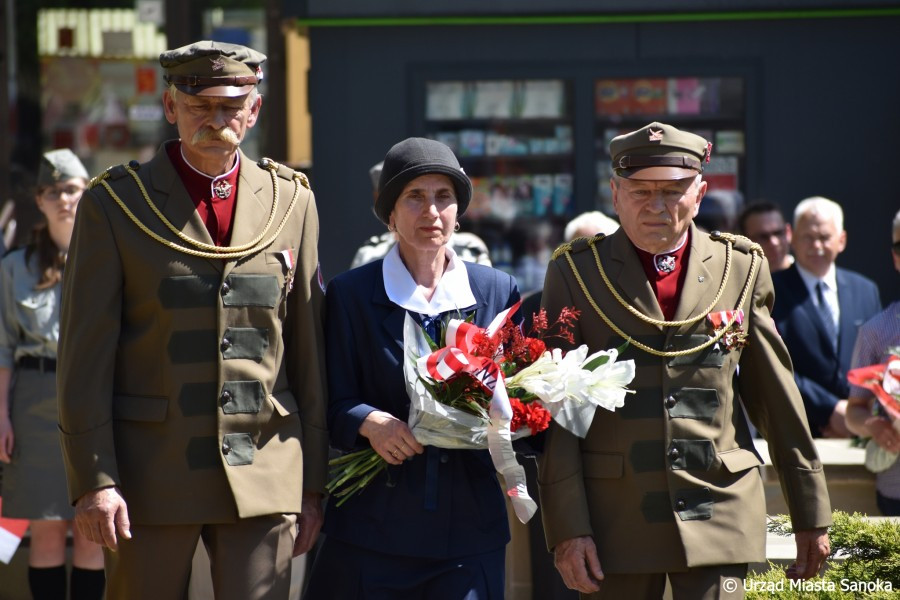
7	439
884	434
390	437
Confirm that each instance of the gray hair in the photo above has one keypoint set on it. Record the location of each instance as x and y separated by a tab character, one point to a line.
822	206
593	220
896	227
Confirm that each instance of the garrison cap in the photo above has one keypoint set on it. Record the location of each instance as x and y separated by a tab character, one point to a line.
659	152
213	69
59	165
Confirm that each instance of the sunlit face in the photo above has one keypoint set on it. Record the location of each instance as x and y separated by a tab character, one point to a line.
211	127
59	201
656	214
817	242
770	231
425	214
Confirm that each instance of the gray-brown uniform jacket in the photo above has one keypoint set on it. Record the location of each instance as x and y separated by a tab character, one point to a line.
194	384
671	480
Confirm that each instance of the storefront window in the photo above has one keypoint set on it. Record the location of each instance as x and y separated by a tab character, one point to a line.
514	140
712	107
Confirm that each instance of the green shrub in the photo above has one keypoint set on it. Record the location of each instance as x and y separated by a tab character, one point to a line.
864	563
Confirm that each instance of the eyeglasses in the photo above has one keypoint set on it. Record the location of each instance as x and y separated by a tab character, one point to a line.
55	193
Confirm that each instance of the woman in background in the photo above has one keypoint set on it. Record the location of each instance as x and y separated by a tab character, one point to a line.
34	481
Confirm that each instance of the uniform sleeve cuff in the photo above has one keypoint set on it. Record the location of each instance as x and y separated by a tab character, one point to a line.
90	460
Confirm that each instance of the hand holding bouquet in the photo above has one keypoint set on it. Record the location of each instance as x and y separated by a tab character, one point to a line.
884	382
481	388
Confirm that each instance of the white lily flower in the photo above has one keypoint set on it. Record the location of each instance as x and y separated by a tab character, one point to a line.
570	391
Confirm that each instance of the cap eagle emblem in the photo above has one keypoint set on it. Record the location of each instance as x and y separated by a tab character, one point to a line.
656	135
217	63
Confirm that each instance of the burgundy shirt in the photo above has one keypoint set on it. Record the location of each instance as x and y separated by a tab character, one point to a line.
213	197
666	283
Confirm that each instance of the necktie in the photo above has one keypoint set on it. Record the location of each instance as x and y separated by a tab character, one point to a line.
825	313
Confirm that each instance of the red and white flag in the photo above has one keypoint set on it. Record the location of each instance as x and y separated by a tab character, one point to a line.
11	532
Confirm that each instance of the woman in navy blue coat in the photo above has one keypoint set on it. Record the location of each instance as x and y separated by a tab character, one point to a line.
433	524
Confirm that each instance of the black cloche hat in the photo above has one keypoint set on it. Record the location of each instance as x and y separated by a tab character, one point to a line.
414	157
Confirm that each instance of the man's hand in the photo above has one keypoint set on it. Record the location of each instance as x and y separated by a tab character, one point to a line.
309	523
813	548
99	514
837	423
577	561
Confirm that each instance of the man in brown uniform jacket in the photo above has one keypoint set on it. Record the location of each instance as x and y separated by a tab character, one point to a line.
190	375
669	484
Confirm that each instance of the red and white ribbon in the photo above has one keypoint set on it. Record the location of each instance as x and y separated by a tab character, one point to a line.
457	357
726	317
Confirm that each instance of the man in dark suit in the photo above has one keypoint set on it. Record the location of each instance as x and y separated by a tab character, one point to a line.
818	310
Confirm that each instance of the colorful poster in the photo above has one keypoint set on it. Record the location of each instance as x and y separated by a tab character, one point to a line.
612	97
684	96
649	96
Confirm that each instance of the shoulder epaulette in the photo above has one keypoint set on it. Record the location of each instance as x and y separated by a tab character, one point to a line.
576	245
113	172
739	242
284	171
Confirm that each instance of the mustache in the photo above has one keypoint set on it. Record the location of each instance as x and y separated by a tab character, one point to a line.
207	134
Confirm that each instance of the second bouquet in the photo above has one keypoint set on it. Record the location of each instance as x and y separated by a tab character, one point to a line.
478	388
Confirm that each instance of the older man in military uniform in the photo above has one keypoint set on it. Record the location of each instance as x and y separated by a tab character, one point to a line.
190	379
669	485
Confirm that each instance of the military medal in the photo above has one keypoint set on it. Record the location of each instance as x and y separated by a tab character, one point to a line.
733	336
288	257
665	263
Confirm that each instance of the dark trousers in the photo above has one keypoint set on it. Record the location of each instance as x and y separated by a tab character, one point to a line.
889	507
346	572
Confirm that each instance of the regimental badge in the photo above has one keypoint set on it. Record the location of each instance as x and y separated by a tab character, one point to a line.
734	337
218	63
222	189
665	263
656	135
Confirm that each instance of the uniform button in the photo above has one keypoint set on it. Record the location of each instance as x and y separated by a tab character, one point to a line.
680	505
226	397
674	454
671	401
134	164
445	458
226	344
226	448
225	289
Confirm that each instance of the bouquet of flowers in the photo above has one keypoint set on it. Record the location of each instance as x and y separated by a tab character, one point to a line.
884	382
483	387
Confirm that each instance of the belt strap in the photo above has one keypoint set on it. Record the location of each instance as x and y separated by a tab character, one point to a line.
41	363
